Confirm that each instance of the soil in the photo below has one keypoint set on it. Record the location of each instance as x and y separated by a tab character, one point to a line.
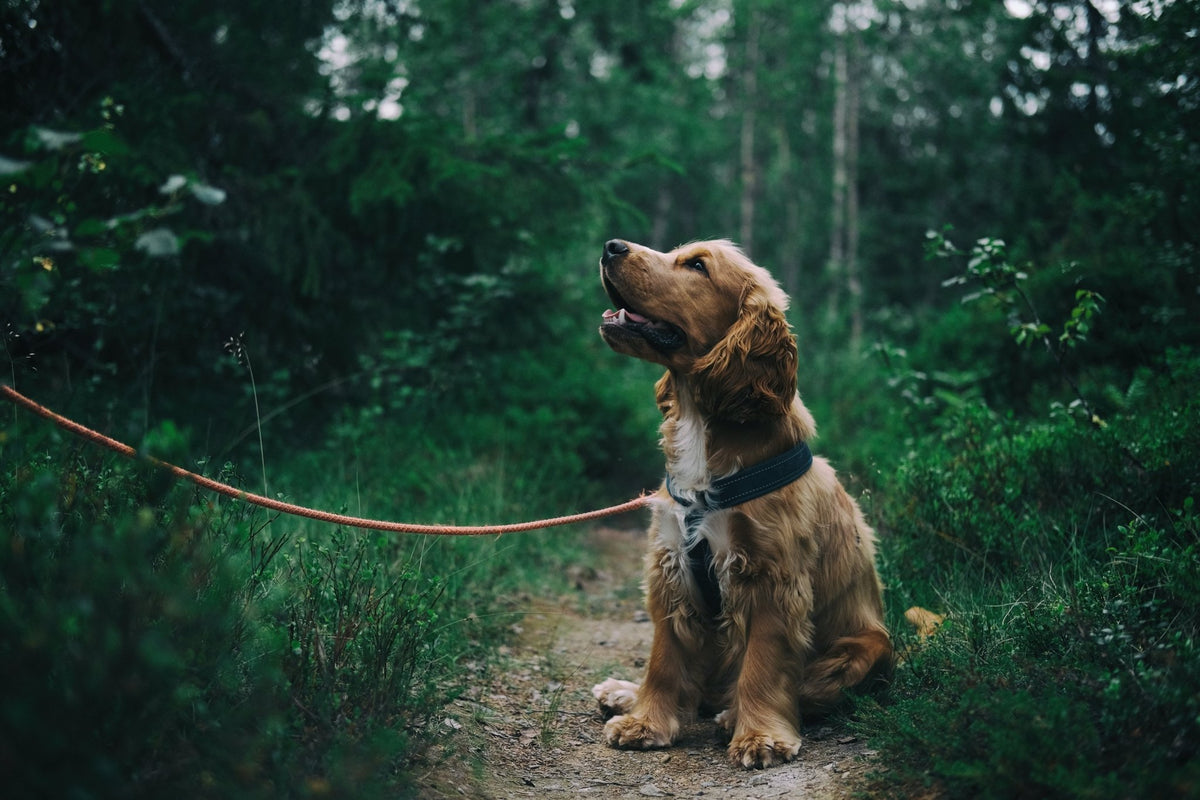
533	729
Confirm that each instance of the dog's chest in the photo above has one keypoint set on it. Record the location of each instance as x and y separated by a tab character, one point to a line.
685	442
695	552
695	540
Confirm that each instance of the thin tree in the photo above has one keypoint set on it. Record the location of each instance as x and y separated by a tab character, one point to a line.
748	162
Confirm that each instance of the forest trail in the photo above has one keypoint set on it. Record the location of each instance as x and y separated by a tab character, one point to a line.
533	728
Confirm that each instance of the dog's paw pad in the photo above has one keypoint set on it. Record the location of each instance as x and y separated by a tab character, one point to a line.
757	751
630	732
614	696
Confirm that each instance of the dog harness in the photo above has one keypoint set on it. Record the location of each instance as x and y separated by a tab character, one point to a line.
740	487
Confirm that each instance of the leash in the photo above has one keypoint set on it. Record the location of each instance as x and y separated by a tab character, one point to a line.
302	511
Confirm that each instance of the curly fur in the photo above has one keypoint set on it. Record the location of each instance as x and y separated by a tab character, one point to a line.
801	618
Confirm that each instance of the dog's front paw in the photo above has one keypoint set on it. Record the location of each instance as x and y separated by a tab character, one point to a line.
635	732
615	697
759	750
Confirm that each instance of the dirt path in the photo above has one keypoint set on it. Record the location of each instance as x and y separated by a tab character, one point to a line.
535	731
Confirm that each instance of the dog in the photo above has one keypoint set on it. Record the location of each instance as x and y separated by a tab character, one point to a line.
760	578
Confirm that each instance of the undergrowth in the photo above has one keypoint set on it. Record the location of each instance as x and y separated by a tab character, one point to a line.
168	643
1068	666
1064	549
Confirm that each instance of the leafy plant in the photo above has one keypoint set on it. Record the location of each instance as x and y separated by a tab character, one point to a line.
185	646
128	619
1070	592
988	264
1101	654
63	227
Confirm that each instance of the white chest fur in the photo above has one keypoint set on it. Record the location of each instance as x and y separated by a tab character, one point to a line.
685	444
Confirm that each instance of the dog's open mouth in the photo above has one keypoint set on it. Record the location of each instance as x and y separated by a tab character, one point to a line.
662	336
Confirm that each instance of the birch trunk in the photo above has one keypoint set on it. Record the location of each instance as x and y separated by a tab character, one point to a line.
853	276
837	220
749	165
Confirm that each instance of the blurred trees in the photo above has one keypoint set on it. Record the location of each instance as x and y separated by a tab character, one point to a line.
377	162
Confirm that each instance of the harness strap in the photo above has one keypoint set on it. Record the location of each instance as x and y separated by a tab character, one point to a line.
704	570
733	490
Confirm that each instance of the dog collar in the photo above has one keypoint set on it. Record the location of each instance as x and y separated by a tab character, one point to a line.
740	487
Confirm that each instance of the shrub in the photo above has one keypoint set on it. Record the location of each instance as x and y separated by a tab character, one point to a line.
1081	682
1066	555
128	648
163	644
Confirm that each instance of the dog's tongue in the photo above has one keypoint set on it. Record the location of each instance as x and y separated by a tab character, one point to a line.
624	314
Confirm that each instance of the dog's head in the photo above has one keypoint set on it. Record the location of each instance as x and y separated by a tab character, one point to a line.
708	314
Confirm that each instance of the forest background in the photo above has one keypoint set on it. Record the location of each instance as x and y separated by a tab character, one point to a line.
344	251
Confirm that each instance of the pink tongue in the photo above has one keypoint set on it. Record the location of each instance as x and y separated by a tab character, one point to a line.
626	314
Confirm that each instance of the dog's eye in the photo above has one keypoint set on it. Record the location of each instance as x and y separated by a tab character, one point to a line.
697	264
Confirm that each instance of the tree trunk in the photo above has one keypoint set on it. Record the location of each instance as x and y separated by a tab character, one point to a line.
662	210
470	131
749	165
853	276
790	245
837	220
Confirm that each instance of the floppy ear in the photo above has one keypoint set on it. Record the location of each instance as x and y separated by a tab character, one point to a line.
751	373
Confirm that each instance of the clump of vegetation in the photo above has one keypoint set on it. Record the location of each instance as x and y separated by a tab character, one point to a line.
1072	616
162	643
1065	551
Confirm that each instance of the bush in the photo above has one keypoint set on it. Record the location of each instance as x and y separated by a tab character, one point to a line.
1066	556
1081	682
164	644
128	644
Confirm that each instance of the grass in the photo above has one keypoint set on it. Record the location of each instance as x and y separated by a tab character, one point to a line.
237	348
1068	666
183	644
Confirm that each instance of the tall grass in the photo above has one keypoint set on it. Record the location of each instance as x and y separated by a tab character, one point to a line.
171	643
1065	552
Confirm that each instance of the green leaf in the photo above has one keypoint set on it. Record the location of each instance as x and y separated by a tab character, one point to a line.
173	184
54	140
90	227
11	166
209	195
105	141
158	243
100	259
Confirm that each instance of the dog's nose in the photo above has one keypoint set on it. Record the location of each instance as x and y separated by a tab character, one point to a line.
614	248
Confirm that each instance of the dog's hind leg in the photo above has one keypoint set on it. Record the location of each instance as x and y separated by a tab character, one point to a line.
849	661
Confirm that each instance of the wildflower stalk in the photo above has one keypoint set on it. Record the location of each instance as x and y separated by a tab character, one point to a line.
236	347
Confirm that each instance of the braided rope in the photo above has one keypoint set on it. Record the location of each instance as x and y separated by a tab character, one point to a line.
312	513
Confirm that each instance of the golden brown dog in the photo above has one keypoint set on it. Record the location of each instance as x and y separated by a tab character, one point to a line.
767	608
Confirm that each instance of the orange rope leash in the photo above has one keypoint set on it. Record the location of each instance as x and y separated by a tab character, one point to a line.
312	513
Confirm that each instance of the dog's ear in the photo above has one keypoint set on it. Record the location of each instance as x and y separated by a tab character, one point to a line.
751	373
